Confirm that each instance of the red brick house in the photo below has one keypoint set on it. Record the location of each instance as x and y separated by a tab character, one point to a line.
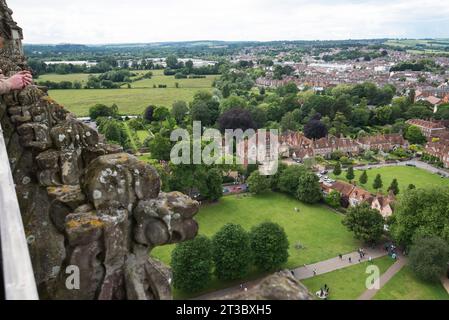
428	128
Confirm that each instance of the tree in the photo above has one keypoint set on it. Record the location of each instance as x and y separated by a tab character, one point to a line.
204	108
192	263
172	62
421	213
289	179
231	252
350	174
394	187
179	111
148	113
288	122
429	258
101	110
333	199
236	118
363	178
160	147
415	136
309	189
337	169
366	223
258	183
378	184
214	185
315	129
269	245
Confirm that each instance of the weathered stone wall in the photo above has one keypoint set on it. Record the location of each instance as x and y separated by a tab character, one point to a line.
85	203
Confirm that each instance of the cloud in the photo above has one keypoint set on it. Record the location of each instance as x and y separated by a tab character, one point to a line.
118	21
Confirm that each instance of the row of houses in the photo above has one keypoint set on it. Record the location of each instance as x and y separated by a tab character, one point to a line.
297	146
437	135
354	195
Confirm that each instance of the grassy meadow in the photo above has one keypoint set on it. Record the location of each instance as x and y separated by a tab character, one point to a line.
405	176
130	101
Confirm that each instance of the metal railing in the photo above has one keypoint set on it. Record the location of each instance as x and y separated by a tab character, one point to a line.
18	276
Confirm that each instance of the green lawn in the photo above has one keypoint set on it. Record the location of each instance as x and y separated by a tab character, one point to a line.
405	175
348	283
129	101
405	286
315	227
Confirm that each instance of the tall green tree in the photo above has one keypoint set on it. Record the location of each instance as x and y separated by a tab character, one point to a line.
289	179
378	184
179	111
213	188
192	263
337	169
258	183
421	213
366	223
429	258
231	252
269	245
309	189
363	178
350	174
394	186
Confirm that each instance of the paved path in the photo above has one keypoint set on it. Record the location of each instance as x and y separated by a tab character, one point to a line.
305	271
384	278
336	263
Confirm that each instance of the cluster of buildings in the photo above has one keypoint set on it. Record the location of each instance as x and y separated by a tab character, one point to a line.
297	146
319	74
437	136
435	96
353	195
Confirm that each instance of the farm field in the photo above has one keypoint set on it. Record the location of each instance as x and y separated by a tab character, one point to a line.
420	46
405	176
347	283
405	286
129	101
81	77
318	229
170	82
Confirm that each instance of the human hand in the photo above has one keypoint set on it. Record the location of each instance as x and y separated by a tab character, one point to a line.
19	80
27	77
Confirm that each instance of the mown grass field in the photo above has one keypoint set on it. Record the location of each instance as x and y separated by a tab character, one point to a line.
129	101
405	286
347	283
405	176
317	228
81	77
170	82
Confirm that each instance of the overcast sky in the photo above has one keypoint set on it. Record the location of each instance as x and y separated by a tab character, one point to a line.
138	21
